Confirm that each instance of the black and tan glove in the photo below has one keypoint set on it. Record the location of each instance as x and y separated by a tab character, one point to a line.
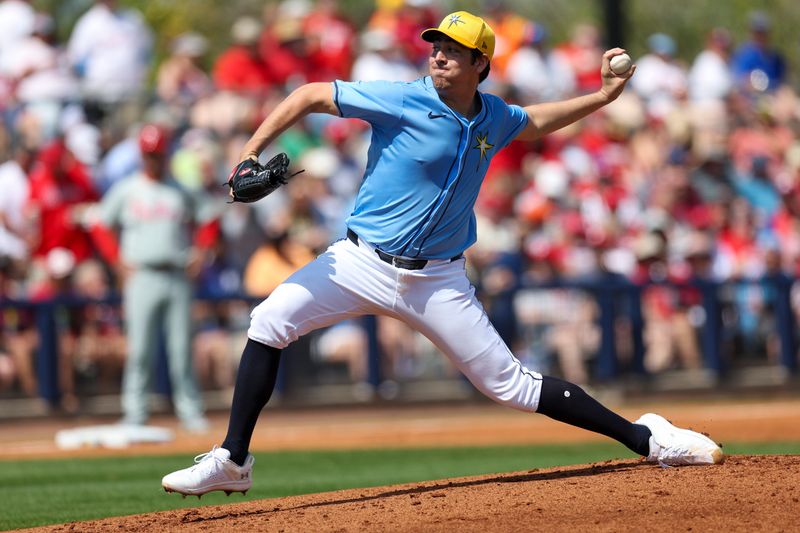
251	181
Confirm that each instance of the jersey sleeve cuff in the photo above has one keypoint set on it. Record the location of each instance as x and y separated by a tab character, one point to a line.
336	98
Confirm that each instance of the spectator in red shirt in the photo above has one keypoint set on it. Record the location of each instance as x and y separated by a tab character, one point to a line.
583	53
669	335
286	46
60	187
241	68
405	20
331	38
180	80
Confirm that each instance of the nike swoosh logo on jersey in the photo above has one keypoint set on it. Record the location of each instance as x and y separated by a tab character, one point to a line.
431	115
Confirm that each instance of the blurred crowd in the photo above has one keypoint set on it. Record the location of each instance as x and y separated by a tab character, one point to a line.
693	173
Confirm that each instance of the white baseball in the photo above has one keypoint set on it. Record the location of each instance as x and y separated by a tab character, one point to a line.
620	64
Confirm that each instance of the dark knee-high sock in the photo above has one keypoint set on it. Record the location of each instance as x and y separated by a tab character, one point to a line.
567	402
255	381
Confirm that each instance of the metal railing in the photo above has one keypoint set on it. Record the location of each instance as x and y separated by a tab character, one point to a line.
615	297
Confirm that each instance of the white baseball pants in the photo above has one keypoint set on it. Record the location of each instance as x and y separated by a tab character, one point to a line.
348	281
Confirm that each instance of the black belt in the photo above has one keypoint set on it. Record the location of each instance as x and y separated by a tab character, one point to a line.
399	262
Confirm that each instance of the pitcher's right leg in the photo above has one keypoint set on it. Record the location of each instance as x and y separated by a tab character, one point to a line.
326	291
322	293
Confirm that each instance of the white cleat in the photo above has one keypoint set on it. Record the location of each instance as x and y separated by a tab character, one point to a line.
673	446
213	471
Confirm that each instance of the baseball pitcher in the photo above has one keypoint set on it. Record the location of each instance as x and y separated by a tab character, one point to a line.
432	140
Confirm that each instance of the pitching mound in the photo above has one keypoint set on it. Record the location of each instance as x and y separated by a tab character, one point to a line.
746	493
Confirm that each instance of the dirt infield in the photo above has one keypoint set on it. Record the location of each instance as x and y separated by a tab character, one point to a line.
461	424
746	493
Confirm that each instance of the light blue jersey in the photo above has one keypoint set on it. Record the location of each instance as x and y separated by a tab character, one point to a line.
425	165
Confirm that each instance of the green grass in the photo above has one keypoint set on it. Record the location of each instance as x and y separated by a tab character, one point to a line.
41	492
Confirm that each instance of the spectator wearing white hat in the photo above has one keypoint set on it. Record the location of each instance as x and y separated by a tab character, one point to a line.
110	50
710	76
536	72
241	68
180	79
331	38
660	80
382	59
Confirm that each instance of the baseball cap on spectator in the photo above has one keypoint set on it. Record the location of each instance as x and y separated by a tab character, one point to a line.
294	9
661	44
377	40
759	21
464	28
153	139
190	44
246	31
288	31
721	37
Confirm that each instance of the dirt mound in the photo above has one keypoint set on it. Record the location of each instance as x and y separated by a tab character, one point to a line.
746	493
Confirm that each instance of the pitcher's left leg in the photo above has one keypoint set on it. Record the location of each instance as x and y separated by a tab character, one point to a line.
440	303
443	306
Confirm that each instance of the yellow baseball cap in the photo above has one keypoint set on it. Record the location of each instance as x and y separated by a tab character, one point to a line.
464	28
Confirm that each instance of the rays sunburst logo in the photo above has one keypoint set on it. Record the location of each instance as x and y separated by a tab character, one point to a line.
455	20
482	144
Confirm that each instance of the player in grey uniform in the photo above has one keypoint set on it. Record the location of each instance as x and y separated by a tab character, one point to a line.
432	140
154	217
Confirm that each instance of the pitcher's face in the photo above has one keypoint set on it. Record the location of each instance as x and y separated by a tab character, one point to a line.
450	64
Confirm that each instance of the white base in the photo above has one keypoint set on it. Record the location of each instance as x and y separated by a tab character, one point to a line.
111	436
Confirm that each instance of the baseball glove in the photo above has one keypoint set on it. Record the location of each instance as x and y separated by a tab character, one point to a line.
251	181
